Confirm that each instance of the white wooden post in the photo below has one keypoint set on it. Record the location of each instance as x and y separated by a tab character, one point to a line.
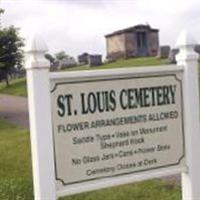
189	59
37	68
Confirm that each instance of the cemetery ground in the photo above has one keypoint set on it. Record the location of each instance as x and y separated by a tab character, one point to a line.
15	157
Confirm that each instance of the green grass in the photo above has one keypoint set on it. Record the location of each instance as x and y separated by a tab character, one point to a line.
147	190
15	163
132	62
17	87
16	175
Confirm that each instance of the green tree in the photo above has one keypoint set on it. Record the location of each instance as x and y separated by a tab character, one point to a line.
1	11
11	53
50	58
61	55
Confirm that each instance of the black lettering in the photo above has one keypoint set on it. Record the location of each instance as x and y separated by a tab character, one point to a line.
61	105
122	103
68	99
112	101
92	102
84	110
172	89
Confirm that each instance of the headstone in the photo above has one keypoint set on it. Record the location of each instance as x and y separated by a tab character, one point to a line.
164	51
197	48
95	60
67	62
83	58
172	55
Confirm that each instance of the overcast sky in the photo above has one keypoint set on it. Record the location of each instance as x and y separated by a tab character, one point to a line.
77	26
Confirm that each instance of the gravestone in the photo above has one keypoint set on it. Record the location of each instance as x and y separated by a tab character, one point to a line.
197	48
94	60
172	55
164	51
83	58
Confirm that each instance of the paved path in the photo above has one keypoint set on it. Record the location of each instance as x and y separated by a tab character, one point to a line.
14	109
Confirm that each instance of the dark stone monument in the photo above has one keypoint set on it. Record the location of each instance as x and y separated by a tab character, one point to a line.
164	51
172	55
83	58
197	48
95	60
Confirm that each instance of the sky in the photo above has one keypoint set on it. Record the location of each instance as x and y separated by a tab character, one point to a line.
77	26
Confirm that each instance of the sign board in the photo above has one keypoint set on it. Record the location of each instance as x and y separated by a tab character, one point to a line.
110	127
114	125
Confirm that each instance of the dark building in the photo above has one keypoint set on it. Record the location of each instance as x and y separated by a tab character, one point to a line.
83	58
90	59
94	60
136	41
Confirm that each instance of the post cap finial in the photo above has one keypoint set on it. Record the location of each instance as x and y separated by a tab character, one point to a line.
35	52
185	39
36	44
186	44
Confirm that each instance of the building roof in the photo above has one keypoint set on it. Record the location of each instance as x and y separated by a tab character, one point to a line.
133	29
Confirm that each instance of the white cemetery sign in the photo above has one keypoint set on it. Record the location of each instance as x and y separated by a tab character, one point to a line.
118	125
95	129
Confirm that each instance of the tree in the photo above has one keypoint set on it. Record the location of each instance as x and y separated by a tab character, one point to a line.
1	12
11	53
61	55
50	58
64	60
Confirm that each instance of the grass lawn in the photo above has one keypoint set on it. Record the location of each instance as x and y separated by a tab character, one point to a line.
16	175
18	86
15	163
132	62
147	190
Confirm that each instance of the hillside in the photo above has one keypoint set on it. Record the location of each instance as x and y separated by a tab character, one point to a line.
18	86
